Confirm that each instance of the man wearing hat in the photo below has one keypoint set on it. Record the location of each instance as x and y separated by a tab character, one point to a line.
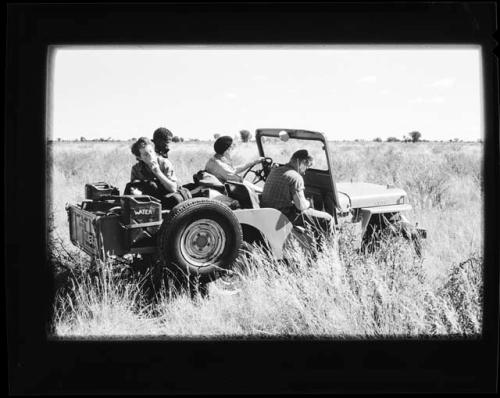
221	165
162	137
284	190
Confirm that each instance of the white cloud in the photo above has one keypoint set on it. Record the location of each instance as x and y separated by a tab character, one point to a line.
259	78
368	79
445	82
230	95
385	91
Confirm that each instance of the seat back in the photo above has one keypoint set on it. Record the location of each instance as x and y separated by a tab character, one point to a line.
247	198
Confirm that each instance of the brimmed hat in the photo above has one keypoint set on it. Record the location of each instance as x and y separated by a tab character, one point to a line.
162	134
222	143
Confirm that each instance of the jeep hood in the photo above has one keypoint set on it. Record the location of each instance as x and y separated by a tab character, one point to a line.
363	194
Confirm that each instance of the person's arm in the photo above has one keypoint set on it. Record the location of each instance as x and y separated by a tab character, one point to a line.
300	201
223	171
243	167
172	176
169	184
297	190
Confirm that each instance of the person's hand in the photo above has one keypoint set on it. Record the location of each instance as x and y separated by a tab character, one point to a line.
135	191
154	166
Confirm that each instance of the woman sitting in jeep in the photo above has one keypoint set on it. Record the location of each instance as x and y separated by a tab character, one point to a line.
221	166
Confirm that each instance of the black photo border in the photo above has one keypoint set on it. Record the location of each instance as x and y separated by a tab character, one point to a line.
38	365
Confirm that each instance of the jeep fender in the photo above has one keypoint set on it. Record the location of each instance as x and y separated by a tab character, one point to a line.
274	226
367	212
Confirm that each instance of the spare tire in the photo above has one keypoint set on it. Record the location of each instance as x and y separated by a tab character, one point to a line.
200	237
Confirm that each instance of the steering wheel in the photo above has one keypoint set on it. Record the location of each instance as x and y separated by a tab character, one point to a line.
261	173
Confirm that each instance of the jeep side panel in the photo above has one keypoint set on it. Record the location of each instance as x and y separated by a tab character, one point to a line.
271	223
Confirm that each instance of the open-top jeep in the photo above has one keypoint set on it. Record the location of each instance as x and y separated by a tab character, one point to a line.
202	235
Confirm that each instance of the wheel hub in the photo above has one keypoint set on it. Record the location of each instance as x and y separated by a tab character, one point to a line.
202	242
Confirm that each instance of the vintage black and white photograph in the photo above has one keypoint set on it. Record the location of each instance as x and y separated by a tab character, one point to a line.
255	191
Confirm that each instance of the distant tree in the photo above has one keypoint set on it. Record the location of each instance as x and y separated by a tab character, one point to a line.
245	135
378	139
393	139
83	139
406	138
133	139
415	136
176	139
216	135
480	141
182	139
59	139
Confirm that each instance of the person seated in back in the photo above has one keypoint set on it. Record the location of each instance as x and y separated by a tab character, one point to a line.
221	165
162	137
284	191
152	174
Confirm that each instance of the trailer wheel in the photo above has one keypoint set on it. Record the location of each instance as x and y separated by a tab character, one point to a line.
200	237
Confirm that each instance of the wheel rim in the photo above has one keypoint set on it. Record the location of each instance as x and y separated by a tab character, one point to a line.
202	242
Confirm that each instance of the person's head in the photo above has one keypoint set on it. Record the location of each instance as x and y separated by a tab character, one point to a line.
301	160
161	139
143	149
223	145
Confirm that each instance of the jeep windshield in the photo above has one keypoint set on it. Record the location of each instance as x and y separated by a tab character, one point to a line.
280	148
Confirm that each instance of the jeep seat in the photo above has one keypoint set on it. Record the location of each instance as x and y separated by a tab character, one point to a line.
247	198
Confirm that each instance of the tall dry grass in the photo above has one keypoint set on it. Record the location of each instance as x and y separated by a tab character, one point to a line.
342	293
383	294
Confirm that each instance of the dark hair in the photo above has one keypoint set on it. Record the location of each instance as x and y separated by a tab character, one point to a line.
162	133
301	155
222	143
140	143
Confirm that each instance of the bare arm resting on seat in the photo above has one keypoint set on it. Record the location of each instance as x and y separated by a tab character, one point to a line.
300	201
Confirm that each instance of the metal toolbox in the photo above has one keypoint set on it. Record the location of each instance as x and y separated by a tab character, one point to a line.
97	190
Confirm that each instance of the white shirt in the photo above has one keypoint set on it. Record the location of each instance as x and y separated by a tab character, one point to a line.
222	168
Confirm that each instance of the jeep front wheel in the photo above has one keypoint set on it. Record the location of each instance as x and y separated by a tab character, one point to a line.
200	237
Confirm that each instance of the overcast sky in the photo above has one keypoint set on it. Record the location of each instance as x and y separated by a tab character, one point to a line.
196	91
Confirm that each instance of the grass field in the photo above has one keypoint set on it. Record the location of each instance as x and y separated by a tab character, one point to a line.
343	293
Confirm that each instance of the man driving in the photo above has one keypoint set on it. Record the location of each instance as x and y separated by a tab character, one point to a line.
284	190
